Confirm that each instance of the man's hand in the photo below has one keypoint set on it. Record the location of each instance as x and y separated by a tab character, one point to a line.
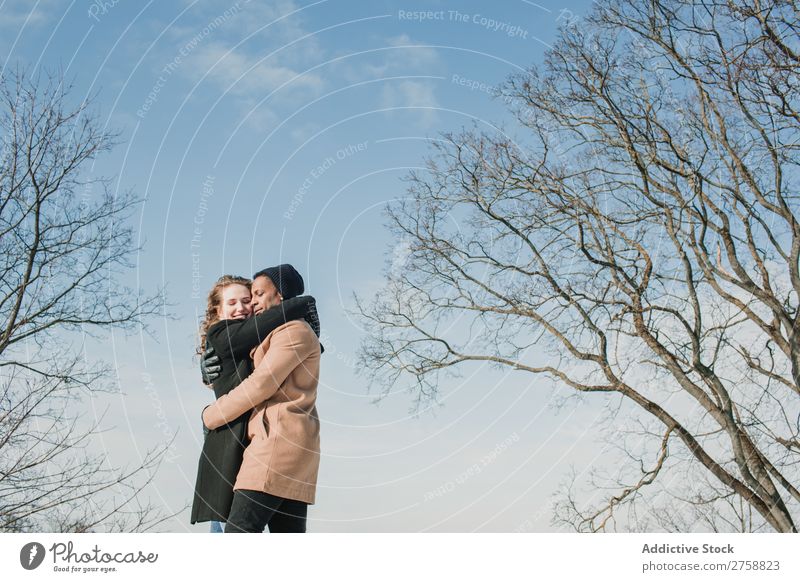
210	367
205	428
312	317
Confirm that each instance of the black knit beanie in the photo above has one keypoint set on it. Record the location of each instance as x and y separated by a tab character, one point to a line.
285	278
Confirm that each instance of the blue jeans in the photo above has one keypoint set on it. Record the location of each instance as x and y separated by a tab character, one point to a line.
217	526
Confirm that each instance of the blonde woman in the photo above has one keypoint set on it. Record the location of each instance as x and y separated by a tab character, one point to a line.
230	328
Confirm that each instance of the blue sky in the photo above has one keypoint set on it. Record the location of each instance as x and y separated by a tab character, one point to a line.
267	132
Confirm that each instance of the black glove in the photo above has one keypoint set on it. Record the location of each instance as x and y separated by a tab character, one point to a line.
205	428
210	367
312	317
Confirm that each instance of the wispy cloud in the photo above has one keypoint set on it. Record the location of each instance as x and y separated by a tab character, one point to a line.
417	94
16	13
246	73
245	50
400	56
410	57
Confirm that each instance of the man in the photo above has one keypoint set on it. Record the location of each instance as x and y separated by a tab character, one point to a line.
277	479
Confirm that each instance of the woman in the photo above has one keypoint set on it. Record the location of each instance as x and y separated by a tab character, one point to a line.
233	332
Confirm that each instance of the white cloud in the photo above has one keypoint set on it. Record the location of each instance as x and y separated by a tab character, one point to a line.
413	54
18	13
301	133
245	74
400	56
409	93
277	23
245	50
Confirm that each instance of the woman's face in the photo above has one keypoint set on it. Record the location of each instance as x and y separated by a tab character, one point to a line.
235	302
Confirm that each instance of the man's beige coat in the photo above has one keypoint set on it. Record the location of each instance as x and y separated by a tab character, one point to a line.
283	455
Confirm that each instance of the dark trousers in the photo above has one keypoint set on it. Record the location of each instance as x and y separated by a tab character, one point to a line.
251	511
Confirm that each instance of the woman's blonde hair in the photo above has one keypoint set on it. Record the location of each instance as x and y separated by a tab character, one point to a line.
214	301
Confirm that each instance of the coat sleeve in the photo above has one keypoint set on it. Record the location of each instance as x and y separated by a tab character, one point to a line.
289	347
242	338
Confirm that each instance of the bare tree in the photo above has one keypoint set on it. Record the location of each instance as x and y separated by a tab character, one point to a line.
63	242
638	242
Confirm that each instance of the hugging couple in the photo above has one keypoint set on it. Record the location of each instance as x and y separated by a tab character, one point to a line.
261	355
